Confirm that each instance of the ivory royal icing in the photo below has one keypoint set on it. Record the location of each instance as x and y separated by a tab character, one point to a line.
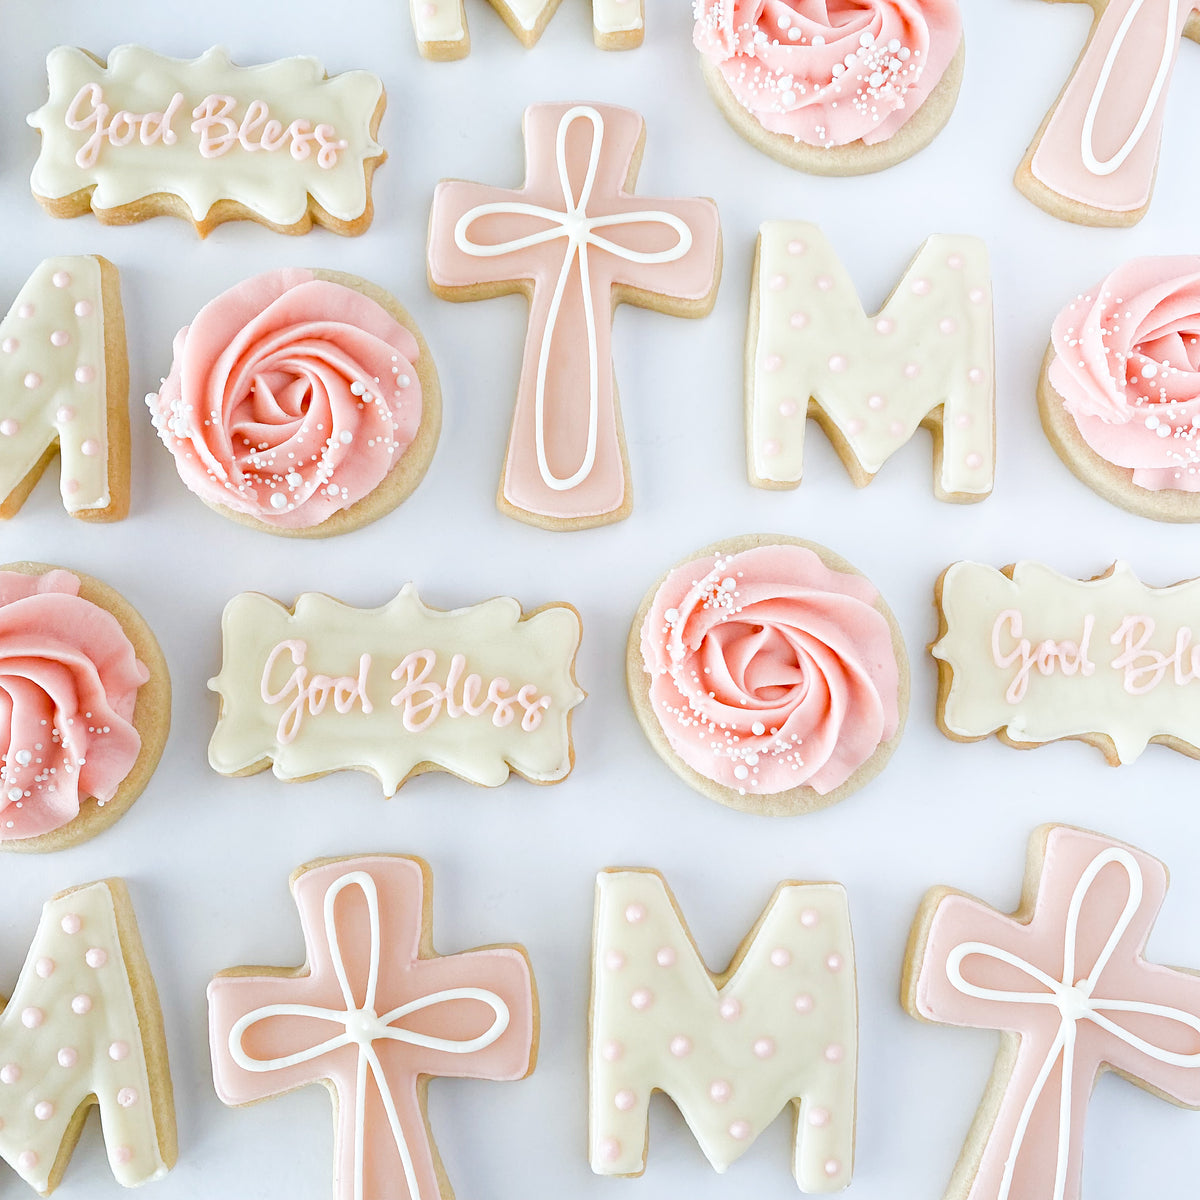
74	1034
1043	657
54	385
69	679
577	239
441	25
1068	982
830	74
731	1051
324	687
1099	147
373	1014
271	138
926	358
1127	367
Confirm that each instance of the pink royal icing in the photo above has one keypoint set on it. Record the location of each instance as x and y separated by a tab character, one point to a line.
69	678
830	72
770	670
290	399
1127	367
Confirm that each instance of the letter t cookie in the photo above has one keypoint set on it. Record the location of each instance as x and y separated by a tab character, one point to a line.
577	243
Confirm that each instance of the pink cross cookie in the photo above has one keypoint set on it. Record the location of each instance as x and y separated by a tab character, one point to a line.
1065	979
372	1013
578	244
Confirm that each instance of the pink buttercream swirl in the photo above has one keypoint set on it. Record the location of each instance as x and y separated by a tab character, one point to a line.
69	678
771	671
290	399
830	72
1127	367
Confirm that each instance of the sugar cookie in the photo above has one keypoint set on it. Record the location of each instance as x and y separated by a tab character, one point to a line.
576	243
1036	657
396	691
84	1028
779	1025
768	674
1120	388
85	701
301	403
373	982
1064	978
282	144
833	97
1096	155
927	358
65	388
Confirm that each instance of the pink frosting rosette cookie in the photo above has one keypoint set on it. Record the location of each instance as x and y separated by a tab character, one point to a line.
83	717
833	86
1120	391
304	403
769	674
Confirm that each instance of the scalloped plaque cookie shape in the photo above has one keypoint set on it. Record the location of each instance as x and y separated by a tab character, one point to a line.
1038	657
396	691
281	143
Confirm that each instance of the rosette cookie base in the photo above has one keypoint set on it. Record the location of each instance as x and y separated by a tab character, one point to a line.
107	636
853	158
769	675
301	403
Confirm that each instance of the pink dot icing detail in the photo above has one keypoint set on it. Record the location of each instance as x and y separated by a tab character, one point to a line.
854	425
834	963
875	402
772	363
85	374
642	999
68	1056
27	1160
955	262
31	1018
963	421
96	958
122	1155
798	320
777	283
635	913
975	375
976	295
803	1003
720	1091
10	1073
764	1047
614	960
796	247
72	485
118	1051
896	428
665	957
974	461
781	956
624	1100
787	408
911	370
9	427
90	448
71	924
65	415
824	283
33	380
44	968
739	1131
832	1167
947	325
681	1046
818	1118
730	1009
834	1053
10	346
838	363
43	1110
61	279
25	311
610	1149
60	337
83	308
127	1097
82	1004
885	325
921	287
810	918
612	1051
771	448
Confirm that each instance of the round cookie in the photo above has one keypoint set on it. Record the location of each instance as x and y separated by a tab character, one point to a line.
317	342
857	98
810	626
131	742
1119	391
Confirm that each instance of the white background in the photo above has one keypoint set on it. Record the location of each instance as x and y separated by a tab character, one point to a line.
207	859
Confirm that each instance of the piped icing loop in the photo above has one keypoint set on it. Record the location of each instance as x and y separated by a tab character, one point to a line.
771	671
830	72
69	678
290	398
1127	367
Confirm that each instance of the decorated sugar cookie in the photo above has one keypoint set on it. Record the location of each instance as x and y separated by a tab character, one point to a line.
1120	387
1036	657
282	144
85	706
441	25
576	242
1096	155
396	691
732	1049
1065	978
833	89
83	1028
768	674
64	384
301	403
925	359
373	1015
